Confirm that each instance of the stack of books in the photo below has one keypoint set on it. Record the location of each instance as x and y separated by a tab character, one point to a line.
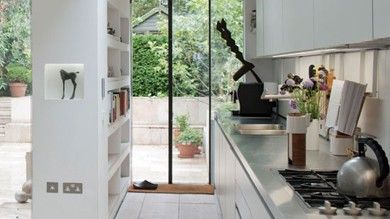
119	104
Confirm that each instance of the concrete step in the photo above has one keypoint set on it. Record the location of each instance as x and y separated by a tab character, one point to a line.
5	110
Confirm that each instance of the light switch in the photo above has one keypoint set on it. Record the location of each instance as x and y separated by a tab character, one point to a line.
52	187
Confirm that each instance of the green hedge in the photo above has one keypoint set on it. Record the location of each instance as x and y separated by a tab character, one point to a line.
150	69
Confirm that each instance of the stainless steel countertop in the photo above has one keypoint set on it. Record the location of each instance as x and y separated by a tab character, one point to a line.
262	156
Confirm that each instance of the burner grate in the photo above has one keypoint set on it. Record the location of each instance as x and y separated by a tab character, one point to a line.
314	187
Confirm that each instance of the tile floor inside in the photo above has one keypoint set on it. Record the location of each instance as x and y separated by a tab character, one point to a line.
150	162
169	206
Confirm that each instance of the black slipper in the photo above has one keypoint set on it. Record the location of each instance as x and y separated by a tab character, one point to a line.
146	185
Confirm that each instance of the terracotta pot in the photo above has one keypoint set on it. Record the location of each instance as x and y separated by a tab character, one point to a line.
198	150
187	151
18	89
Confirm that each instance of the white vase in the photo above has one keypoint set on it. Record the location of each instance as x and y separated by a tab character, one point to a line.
312	136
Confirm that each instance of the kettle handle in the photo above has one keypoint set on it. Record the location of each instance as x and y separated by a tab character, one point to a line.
381	157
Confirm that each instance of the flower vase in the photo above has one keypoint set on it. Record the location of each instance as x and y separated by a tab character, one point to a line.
312	136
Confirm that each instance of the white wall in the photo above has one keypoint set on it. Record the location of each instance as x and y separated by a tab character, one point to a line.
67	135
372	67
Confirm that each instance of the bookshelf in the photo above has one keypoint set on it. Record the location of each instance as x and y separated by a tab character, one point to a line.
117	99
80	140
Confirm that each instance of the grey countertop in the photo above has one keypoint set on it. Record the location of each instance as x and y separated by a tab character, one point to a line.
262	156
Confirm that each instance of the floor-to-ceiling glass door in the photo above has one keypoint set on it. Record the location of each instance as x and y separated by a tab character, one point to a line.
190	92
171	89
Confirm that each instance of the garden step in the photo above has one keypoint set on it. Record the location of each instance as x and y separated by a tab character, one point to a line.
5	111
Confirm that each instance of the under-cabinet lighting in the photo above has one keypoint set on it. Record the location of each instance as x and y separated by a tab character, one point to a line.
316	52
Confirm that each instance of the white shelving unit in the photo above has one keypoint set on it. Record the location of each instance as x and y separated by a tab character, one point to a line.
76	141
118	132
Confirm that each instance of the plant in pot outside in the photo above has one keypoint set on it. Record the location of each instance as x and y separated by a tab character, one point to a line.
182	124
18	79
188	142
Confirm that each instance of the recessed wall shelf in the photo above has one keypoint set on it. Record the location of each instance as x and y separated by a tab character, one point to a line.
115	160
113	43
117	82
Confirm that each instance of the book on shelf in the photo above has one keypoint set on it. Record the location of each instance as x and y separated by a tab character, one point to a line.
119	104
345	105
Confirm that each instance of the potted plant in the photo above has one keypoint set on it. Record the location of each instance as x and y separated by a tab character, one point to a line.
181	125
18	79
188	142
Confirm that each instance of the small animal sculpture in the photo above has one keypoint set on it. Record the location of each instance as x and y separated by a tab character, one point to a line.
68	76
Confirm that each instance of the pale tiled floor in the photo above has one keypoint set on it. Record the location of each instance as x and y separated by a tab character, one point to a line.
12	177
150	162
168	206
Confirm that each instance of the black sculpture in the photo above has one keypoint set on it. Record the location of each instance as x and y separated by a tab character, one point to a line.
312	71
247	66
249	94
68	76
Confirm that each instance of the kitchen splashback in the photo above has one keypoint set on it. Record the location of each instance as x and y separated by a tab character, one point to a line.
368	67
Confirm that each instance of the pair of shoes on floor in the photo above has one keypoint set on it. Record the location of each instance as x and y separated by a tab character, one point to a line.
146	185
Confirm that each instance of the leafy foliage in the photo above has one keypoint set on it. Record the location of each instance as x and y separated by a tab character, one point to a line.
150	65
190	46
191	136
18	73
182	122
15	33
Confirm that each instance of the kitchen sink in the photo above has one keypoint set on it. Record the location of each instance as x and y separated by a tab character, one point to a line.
260	129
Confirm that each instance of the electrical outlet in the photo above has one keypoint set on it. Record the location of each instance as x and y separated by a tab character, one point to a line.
73	188
52	187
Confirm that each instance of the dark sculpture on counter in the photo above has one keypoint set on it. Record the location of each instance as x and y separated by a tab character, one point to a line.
249	94
68	76
247	66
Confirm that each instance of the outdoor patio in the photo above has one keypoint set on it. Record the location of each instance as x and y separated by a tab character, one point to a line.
150	162
12	177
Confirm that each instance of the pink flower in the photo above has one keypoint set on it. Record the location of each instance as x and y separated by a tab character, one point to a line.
323	86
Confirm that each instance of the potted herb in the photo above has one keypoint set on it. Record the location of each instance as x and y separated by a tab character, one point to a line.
181	125
18	79
188	142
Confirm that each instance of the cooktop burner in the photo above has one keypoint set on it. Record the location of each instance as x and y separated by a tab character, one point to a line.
314	187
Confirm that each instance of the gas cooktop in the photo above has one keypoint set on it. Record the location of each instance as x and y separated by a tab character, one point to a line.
315	187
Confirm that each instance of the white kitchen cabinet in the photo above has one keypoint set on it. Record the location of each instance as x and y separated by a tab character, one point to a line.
273	26
259	28
342	22
237	196
256	205
381	18
242	208
298	33
230	182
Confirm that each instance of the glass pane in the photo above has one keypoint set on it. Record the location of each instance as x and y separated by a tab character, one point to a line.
191	91
150	90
